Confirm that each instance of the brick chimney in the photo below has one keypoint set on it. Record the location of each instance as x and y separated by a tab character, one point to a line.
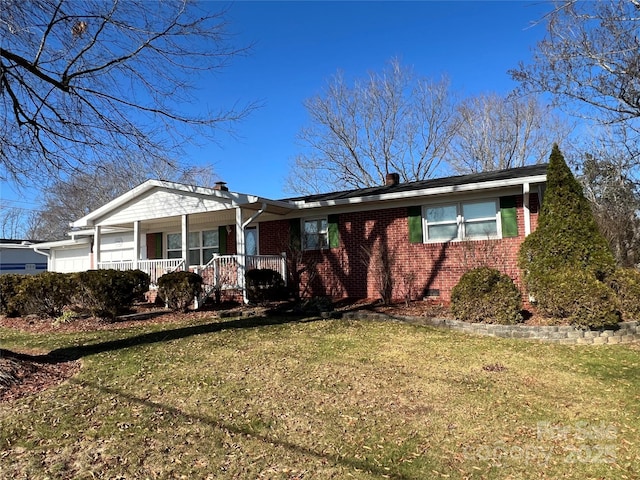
221	186
392	179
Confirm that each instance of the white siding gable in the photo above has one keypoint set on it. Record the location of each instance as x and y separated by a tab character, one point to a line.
162	203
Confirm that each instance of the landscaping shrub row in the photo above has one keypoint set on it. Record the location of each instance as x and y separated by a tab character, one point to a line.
102	293
573	297
109	293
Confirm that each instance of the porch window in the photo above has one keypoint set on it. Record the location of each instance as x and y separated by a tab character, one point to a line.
461	220
174	245
202	246
315	234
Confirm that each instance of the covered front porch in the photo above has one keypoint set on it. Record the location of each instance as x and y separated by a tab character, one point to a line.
162	227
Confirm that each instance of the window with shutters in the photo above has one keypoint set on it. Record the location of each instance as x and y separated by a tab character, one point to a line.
315	234
470	220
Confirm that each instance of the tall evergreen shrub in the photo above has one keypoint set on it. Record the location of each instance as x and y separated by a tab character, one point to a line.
567	239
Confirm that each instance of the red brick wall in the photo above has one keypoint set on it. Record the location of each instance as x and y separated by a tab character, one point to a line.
352	269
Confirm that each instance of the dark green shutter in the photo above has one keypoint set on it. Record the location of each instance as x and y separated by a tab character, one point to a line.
332	227
508	217
222	239
295	236
414	216
158	245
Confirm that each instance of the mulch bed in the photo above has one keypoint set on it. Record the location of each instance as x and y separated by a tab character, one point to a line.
22	375
26	373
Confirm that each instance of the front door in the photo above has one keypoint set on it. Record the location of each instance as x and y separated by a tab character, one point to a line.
251	241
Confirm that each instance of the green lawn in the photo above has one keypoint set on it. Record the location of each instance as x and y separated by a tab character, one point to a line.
227	398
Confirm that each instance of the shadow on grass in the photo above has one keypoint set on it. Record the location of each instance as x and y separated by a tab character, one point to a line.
188	418
77	352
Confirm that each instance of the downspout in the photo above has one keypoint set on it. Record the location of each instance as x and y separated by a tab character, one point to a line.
255	215
244	225
46	254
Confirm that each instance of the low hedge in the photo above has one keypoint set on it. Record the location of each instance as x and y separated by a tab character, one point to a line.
486	295
178	289
45	294
264	285
109	293
625	282
9	288
577	297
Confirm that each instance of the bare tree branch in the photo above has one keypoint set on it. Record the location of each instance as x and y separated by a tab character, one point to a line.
498	132
390	122
81	82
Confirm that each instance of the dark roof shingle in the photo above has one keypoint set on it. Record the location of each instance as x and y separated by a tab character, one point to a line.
507	174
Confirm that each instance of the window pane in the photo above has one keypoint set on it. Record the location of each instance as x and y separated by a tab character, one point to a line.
311	226
174	254
210	238
311	241
208	253
174	241
487	228
194	257
479	210
442	232
447	213
194	239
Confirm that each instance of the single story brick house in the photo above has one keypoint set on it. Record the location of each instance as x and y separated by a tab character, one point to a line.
422	235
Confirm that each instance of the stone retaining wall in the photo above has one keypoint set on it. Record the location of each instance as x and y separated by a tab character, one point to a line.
626	333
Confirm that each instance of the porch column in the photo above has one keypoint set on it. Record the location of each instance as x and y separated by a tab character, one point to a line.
185	241
525	207
240	253
136	243
96	245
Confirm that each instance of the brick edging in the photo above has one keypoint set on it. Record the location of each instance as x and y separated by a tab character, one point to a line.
627	332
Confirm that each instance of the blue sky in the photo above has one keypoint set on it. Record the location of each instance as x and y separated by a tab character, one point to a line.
300	45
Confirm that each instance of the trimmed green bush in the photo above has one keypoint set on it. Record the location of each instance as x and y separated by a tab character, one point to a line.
109	293
625	282
263	285
578	297
567	235
486	295
178	289
9	287
566	251
45	294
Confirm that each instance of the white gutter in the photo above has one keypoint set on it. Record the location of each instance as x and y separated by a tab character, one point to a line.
424	192
35	249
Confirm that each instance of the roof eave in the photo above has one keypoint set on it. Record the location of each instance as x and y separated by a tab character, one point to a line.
469	187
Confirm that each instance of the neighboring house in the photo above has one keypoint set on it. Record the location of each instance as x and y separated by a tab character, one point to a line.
423	235
19	256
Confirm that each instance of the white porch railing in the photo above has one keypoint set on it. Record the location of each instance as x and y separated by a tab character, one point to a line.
222	272
155	268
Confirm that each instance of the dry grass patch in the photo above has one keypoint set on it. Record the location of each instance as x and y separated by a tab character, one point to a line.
327	399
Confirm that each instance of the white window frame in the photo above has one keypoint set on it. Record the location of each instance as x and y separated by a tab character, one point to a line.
461	222
201	248
322	245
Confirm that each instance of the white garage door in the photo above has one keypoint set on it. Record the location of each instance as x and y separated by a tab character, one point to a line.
70	259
